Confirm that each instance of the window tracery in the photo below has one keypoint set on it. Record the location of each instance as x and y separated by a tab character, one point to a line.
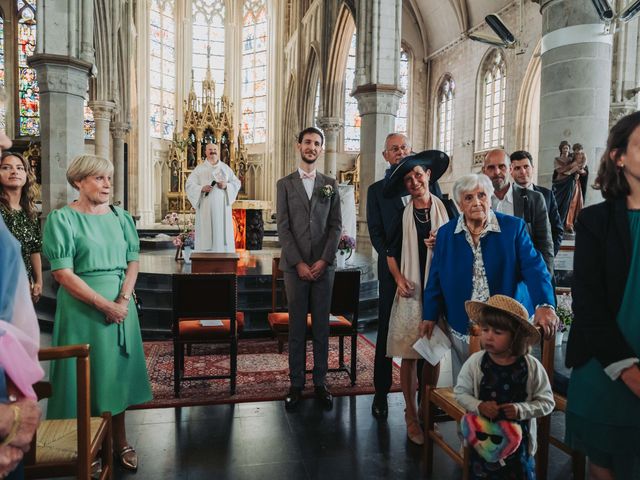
162	78
28	91
402	117
445	96
208	23
493	100
352	119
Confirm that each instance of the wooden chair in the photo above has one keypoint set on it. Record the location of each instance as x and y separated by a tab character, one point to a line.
444	399
345	301
204	296
578	459
68	447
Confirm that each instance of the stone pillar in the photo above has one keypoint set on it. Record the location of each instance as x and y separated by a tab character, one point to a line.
118	132
102	111
575	84
331	126
63	85
377	91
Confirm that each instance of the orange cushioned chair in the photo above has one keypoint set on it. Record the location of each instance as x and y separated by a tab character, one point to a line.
68	447
204	296
444	399
345	301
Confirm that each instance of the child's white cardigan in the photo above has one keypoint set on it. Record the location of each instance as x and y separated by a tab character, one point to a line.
539	395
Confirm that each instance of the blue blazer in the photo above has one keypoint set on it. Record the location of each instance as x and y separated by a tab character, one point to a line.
512	265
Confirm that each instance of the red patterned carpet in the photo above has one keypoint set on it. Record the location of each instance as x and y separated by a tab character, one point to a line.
262	373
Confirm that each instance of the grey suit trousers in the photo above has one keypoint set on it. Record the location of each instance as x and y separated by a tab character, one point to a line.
308	297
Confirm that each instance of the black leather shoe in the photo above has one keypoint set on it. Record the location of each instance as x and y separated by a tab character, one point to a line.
324	396
380	408
293	398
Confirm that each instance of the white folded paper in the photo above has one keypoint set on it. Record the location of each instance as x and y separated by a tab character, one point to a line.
433	349
211	323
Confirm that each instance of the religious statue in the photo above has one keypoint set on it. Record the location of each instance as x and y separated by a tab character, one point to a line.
570	182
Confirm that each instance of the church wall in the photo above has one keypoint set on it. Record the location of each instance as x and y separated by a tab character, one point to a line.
463	60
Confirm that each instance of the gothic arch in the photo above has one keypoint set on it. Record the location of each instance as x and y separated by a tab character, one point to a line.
290	129
528	107
308	93
333	88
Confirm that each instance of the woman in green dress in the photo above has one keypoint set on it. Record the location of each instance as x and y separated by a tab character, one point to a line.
602	418
93	250
17	206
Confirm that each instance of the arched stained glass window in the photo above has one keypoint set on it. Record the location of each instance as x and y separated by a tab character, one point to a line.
3	110
402	117
446	92
254	71
208	42
494	100
162	75
89	122
28	91
316	105
351	114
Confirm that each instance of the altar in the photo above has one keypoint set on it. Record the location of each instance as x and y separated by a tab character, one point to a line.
207	120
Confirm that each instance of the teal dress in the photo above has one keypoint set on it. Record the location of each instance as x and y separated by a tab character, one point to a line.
97	248
604	423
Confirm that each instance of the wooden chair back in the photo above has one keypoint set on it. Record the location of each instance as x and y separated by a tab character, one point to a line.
345	296
89	443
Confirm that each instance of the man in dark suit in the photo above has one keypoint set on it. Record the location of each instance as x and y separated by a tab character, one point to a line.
382	214
513	200
522	173
309	227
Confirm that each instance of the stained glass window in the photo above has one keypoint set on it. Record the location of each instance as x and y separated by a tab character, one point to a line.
446	92
254	71
403	108
28	92
493	101
3	110
208	39
89	122
162	75
351	113
316	105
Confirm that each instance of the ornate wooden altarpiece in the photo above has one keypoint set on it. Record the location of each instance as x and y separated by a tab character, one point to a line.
205	121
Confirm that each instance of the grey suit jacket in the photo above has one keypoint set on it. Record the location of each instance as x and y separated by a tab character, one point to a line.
308	230
537	220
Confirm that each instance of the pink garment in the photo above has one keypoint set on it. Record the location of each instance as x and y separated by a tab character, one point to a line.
20	341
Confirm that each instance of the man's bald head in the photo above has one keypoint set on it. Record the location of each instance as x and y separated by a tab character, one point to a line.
496	167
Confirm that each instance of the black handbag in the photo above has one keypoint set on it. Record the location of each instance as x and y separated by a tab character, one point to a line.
136	300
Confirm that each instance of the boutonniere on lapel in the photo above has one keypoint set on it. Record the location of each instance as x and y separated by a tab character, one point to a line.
326	192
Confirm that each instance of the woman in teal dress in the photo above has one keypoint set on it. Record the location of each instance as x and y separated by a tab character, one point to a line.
17	206
93	250
602	419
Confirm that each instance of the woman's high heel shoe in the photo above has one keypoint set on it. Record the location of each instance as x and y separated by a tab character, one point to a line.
414	432
128	458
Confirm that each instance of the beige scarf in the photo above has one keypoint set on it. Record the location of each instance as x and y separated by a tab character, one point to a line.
406	312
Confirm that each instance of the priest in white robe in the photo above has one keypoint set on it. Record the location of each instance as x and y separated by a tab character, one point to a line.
212	188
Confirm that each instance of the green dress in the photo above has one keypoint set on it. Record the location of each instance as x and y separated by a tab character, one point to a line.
98	249
605	421
26	231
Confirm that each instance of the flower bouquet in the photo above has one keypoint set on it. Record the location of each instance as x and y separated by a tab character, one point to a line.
346	245
565	314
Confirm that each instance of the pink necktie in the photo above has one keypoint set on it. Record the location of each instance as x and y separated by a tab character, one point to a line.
311	175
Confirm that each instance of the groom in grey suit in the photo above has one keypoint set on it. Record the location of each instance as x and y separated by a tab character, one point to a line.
309	228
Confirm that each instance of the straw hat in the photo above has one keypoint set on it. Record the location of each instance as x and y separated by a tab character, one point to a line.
433	160
507	305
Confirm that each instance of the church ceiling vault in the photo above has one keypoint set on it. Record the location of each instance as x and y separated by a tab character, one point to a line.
445	21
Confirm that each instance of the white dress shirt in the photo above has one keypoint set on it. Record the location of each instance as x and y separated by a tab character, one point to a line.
505	205
308	182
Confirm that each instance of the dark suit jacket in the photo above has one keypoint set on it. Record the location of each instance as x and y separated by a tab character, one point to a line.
536	219
557	229
600	270
382	214
308	230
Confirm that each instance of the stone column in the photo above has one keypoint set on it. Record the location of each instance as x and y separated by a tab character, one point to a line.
118	132
377	91
575	84
331	126
102	111
63	85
